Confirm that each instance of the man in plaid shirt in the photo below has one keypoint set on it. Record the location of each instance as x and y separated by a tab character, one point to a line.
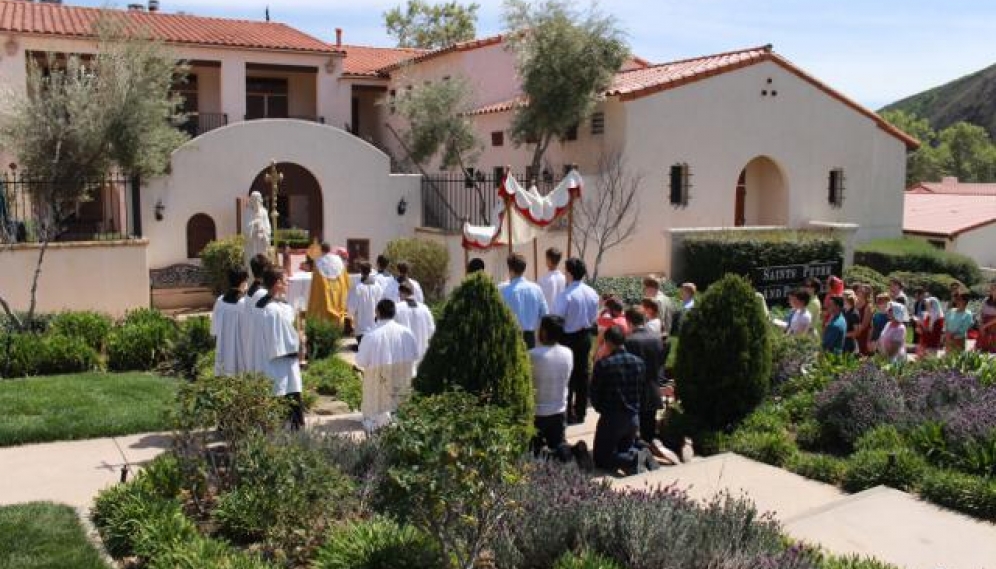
617	384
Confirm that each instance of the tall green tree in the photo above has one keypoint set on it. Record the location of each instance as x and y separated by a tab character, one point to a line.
78	121
566	58
970	152
431	26
926	163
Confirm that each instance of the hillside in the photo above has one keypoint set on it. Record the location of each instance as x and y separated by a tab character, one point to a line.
971	98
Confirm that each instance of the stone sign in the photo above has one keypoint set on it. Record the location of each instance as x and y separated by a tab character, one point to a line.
775	283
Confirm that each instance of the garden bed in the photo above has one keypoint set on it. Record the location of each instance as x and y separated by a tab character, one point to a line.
82	406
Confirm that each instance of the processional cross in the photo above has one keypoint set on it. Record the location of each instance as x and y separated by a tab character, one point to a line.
274	178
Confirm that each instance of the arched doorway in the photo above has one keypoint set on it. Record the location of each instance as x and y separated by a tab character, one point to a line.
200	232
761	194
299	201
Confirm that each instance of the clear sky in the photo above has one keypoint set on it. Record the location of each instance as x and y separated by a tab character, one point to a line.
875	51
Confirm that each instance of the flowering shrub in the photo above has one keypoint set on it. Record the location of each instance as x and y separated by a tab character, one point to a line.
858	402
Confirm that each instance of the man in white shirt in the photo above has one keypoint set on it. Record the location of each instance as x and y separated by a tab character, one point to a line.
226	325
524	299
252	336
387	356
553	282
578	306
551	364
363	302
415	316
404	270
276	321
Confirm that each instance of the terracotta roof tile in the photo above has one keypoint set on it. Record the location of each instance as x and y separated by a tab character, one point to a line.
953	186
459	46
367	61
19	16
501	106
946	214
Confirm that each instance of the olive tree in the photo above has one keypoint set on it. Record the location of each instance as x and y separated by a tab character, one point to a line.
79	120
431	26
566	60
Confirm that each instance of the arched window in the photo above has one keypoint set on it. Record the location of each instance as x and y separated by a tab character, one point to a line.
200	232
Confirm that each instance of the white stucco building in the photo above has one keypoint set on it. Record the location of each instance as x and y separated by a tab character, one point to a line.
954	216
741	138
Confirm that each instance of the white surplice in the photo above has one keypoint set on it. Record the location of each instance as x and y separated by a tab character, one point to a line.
282	343
387	356
253	348
362	305
418	319
226	327
391	291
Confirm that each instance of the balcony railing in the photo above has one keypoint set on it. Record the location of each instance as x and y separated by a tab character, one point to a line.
199	123
308	118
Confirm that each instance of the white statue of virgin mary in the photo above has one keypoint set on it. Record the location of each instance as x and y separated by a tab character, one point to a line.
256	227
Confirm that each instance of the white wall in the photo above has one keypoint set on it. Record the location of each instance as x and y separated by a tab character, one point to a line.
718	125
979	244
110	277
359	194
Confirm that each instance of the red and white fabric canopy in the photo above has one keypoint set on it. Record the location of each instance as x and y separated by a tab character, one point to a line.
531	212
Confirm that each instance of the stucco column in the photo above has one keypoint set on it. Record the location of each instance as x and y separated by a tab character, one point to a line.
233	88
846	232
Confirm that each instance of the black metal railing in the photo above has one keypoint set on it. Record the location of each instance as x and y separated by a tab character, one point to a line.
27	214
308	118
449	199
200	123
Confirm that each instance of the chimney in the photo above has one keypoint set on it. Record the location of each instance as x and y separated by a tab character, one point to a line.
949	181
136	7
338	37
153	5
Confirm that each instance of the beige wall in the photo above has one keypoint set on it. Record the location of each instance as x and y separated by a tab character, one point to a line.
110	277
979	244
359	194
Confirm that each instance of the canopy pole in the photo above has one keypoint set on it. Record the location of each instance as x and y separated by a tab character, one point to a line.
466	259
535	259
508	212
570	224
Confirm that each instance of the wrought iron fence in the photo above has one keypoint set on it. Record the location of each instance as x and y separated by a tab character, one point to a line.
449	199
199	123
26	212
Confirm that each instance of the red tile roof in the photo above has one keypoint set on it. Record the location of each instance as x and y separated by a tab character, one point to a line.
946	215
953	186
367	61
19	16
636	83
501	107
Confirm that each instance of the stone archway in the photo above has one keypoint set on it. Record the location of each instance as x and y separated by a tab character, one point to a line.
299	202
761	194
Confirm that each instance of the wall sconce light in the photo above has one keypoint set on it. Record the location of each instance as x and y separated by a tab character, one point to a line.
402	206
160	209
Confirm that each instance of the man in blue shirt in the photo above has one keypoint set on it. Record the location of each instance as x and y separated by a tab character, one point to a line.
524	298
836	329
578	306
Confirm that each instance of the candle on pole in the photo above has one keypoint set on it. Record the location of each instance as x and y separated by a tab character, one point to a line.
274	178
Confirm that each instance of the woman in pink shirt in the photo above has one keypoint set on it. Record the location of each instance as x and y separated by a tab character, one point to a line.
612	315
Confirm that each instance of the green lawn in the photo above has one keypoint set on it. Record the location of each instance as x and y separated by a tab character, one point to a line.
44	536
83	406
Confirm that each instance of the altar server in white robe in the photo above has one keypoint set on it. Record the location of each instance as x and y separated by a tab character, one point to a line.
404	276
252	339
283	344
226	325
363	302
416	317
387	356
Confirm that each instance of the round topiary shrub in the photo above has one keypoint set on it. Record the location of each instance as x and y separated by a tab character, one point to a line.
900	468
378	544
723	367
860	274
221	256
143	341
429	263
478	348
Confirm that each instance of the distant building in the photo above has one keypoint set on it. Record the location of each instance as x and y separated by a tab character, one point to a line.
954	216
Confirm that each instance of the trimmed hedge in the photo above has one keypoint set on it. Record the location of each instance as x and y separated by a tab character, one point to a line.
866	275
429	262
23	355
916	256
935	284
709	256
